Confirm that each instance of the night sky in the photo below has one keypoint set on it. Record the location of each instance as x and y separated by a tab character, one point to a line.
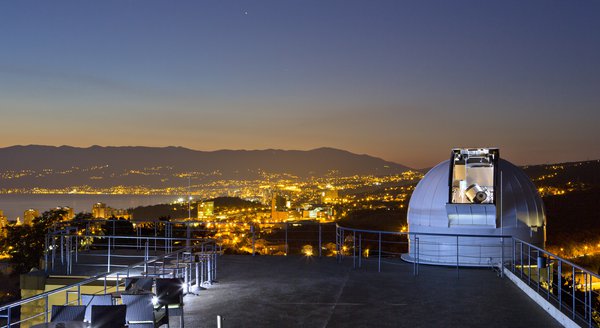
405	81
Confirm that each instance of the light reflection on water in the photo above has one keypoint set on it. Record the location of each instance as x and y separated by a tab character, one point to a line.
14	205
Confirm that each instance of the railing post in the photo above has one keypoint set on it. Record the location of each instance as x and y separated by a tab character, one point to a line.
188	235
342	241
53	250
338	248
166	240
202	268
253	239
337	243
215	266
177	262
286	239
209	270
514	260
354	249
45	310
528	264
585	280
559	285
548	279
70	254
46	253
590	300
62	250
186	280
502	260
379	256
108	260
418	251
320	238
360	250
146	257
197	275
573	293
67	253
539	279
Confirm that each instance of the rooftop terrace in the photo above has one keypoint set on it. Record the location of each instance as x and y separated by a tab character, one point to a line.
350	290
294	291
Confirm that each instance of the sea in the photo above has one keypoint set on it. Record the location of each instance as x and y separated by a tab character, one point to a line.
13	205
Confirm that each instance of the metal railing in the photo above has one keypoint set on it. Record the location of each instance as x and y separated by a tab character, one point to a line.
459	250
197	265
567	286
65	250
267	238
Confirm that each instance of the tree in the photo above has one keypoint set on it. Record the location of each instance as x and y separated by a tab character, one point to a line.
80	220
25	244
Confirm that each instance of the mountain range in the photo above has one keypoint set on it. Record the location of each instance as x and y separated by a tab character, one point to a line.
49	166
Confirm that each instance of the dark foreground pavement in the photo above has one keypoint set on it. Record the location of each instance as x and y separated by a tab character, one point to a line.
311	292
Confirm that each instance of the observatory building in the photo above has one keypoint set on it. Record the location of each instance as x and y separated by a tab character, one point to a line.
462	206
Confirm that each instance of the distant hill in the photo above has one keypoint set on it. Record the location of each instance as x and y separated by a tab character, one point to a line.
573	218
578	175
48	166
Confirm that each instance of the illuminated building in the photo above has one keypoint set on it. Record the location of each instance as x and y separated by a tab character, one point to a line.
317	213
100	211
119	213
3	223
206	209
473	193
278	208
329	196
29	215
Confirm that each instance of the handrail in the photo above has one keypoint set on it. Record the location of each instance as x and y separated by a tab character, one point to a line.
578	267
421	233
136	237
188	274
91	279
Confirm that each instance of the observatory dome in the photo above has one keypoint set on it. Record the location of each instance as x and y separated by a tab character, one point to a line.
478	197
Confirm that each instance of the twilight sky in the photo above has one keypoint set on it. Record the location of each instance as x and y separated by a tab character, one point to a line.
401	80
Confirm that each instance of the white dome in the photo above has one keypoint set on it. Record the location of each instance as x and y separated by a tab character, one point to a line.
429	212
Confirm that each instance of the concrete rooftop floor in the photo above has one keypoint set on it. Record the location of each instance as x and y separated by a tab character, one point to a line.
269	291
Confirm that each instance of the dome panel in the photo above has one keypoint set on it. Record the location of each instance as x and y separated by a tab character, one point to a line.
430	206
